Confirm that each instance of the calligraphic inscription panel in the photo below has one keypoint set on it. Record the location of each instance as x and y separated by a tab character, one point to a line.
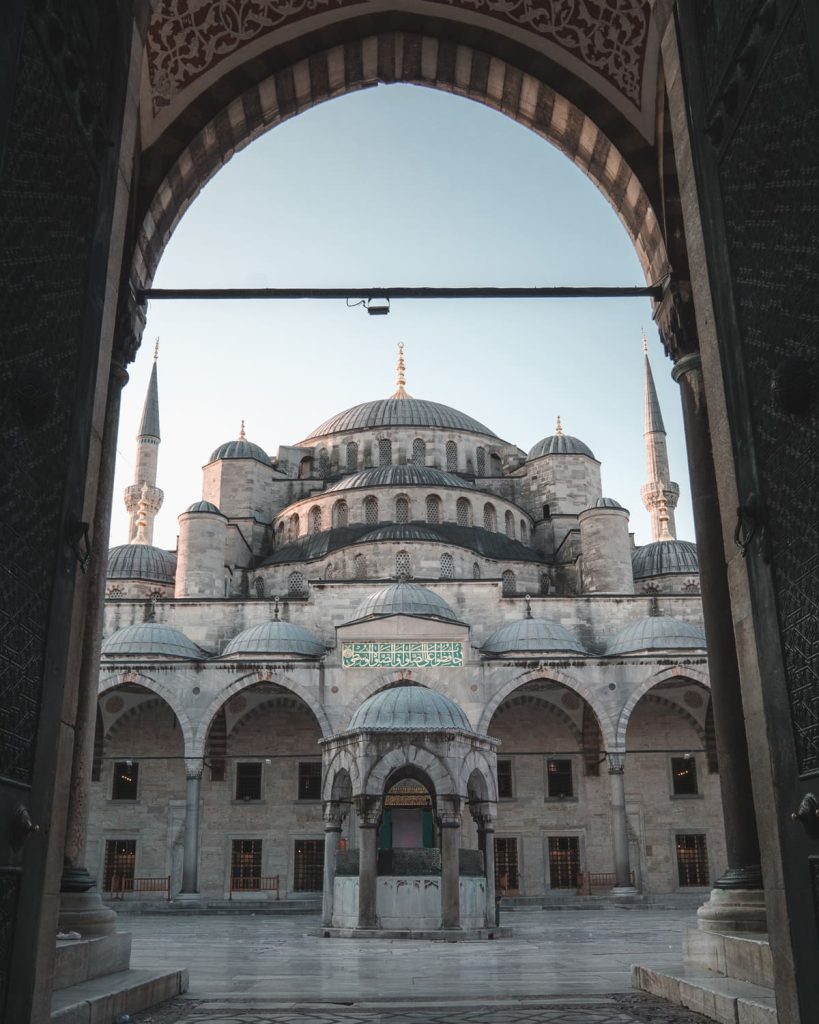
400	654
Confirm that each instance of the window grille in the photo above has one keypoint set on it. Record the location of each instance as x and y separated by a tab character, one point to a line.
433	508
126	780
510	525
340	513
544	583
371	511
463	512
384	451
480	461
324	463
495	465
547	512
524	532
403	566
295	584
402	509
684	776
509	583
115	592
490	519
505	778
119	863
258	585
352	456
559	779
507	877
476	571
564	861
309	780
315	519
246	864
419	452
359	567
692	860
308	865
249	780
447	567
451	457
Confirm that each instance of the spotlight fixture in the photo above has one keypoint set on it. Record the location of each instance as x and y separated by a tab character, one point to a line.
377	307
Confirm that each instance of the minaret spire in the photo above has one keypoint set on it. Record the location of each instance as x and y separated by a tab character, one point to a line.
660	494
400	375
143	491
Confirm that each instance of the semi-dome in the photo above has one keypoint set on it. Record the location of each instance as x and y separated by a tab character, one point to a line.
536	635
409	709
404	599
656	633
665	556
203	506
152	638
399	476
559	444
399	412
276	637
141	562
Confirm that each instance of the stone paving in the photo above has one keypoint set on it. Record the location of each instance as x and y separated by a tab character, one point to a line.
559	968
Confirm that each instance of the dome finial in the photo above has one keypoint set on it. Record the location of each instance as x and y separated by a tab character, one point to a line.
275	609
156	349
242	434
528	601
400	374
645	342
559	428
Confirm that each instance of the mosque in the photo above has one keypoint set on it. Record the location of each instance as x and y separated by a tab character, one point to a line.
404	656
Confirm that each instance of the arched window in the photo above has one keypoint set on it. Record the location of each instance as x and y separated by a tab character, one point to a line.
294	526
324	463
371	510
524	532
403	566
509	583
352	456
359	567
295	584
280	531
340	513
402	509
495	465
510	525
480	461
315	519
463	512
258	584
490	519
544	584
451	457
330	572
384	451
433	508
306	467
419	452
476	571
447	566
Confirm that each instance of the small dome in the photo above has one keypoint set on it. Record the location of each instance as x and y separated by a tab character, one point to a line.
656	633
399	412
204	506
559	444
409	709
607	503
401	532
151	638
399	476
665	556
141	562
404	599
541	635
276	638
241	449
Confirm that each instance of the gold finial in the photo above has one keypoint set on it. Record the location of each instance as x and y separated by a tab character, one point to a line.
242	434
528	601
156	349
559	428
275	609
142	518
400	375
645	343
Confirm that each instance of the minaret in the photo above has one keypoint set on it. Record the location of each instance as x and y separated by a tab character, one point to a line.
660	494
143	499
400	375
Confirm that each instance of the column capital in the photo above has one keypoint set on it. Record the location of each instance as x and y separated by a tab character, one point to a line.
689	363
194	766
131	317
617	763
334	815
368	809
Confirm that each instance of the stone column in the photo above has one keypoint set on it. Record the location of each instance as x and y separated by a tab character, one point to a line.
486	844
737	901
333	818
450	824
369	817
80	909
622	868
190	854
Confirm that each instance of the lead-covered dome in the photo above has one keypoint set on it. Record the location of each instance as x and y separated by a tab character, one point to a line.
535	635
240	449
151	638
409	709
141	562
204	506
665	556
275	637
559	444
401	532
404	599
657	633
399	412
399	476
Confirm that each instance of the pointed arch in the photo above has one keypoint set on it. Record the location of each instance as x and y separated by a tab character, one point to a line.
660	676
411	755
160	689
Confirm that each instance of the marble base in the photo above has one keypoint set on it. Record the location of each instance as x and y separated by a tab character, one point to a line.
428	934
79	960
624	890
408	904
84	912
734	910
745	956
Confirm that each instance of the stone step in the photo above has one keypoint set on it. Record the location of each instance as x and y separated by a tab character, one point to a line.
726	1000
745	956
242	906
101	1000
78	960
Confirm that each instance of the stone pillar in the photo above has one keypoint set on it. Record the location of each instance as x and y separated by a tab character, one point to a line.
486	844
190	855
450	824
369	817
80	909
333	818
622	868
743	873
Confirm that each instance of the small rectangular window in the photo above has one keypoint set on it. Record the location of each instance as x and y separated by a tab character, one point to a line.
118	866
547	512
249	780
559	779
692	860
308	865
309	780
126	780
564	861
505	779
684	776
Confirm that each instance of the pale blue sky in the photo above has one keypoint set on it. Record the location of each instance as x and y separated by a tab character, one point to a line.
399	185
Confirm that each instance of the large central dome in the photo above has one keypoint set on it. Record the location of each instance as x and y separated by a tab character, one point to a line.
399	412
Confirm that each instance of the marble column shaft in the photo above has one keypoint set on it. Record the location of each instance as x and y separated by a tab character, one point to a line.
190	861
622	867
367	873
486	841
332	834
450	874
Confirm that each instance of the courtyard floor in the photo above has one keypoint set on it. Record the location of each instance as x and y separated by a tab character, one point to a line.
559	968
